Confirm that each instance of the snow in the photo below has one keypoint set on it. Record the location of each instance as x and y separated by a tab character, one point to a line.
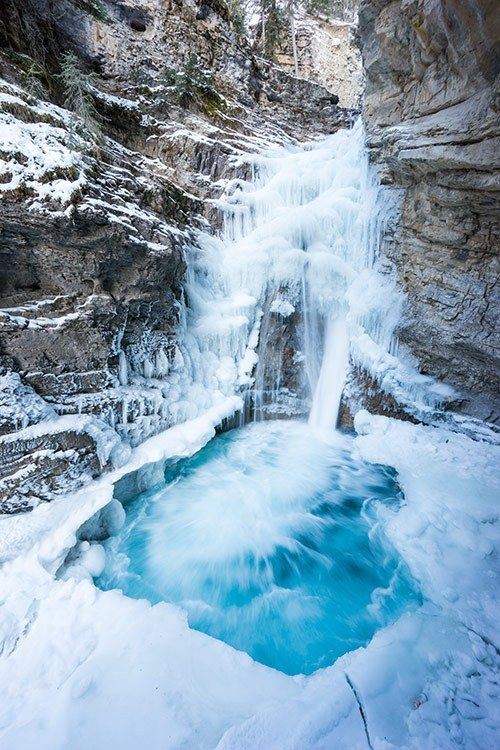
37	152
7	317
234	142
88	560
96	669
420	394
113	100
106	440
451	492
282	307
19	404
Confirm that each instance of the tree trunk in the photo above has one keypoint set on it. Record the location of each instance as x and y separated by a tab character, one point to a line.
263	30
294	41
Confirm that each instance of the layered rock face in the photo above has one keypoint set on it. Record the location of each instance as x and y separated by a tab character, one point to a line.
327	53
91	249
432	115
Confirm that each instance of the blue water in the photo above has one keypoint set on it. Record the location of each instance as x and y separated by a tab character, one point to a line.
269	539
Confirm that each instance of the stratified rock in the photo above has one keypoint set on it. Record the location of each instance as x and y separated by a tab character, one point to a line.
432	114
53	457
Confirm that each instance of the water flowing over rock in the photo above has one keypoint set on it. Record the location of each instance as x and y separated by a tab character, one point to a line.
331	380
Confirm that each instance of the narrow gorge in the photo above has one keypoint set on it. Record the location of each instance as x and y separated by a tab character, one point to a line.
249	374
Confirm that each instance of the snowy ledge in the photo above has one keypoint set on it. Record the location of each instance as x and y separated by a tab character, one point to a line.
87	668
50	528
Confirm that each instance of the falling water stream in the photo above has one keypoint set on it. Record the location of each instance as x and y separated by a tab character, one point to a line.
270	537
328	391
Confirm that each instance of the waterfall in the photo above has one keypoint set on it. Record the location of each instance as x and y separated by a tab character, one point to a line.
296	257
328	392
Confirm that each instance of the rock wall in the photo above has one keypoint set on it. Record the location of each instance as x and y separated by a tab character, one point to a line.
432	114
328	54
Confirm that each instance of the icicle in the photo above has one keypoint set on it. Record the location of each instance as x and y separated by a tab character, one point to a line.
148	368
161	363
178	362
124	411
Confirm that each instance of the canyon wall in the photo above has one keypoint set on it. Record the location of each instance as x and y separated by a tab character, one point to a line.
432	115
327	53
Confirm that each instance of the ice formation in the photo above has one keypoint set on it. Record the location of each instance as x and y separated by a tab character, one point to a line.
304	234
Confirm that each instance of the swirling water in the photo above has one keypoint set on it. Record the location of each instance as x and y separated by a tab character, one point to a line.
270	539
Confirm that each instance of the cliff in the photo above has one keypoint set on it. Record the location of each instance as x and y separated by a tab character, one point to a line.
432	114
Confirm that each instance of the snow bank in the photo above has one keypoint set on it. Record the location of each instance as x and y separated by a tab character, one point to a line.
88	668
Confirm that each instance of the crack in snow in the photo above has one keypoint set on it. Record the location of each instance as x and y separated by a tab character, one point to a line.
361	709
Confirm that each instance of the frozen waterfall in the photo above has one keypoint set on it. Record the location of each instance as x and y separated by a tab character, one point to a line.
299	239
